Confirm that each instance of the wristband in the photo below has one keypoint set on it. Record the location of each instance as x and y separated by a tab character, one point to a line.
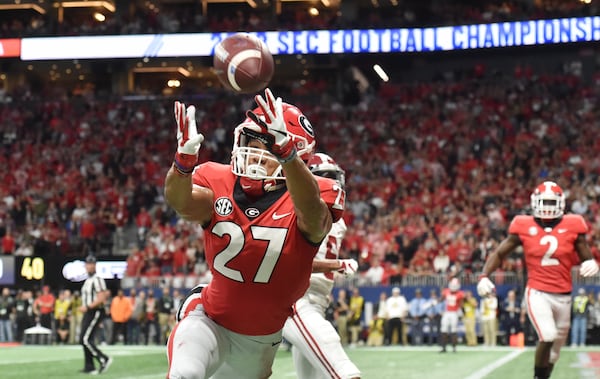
181	170
290	155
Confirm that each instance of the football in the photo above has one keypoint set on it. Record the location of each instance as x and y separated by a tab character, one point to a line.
243	63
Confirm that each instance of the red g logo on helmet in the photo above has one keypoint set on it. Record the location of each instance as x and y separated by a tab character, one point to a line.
300	131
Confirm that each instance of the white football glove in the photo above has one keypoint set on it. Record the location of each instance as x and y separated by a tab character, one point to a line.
485	286
588	268
348	267
188	138
271	128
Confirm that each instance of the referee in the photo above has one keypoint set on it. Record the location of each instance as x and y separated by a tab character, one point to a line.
93	296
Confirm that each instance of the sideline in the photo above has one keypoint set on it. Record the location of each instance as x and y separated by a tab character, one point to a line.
483	372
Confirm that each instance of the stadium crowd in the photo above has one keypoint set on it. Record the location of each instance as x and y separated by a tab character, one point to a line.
185	17
434	170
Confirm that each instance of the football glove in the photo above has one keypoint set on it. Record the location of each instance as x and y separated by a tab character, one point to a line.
271	128
485	286
588	268
188	139
348	267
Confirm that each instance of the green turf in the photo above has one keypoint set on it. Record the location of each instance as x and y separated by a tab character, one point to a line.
139	362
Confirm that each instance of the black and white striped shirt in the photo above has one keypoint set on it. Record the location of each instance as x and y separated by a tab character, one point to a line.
91	287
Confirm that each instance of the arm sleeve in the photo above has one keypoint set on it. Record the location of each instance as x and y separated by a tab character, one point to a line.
334	196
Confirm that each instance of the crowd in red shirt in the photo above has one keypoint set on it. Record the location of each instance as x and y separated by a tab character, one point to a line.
431	167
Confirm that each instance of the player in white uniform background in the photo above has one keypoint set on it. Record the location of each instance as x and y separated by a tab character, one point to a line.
316	347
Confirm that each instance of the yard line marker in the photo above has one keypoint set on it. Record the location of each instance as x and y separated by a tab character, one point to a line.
482	373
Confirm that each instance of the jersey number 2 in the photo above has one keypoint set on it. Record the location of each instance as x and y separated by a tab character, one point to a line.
552	243
274	236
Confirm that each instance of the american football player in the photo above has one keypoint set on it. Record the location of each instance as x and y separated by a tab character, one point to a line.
264	217
316	345
549	239
453	298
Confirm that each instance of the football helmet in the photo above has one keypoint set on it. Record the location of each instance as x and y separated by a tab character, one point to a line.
548	201
323	165
454	284
243	158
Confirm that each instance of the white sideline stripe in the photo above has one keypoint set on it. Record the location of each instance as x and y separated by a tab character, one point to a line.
482	373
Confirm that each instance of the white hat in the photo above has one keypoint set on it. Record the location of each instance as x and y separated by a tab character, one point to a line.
396	290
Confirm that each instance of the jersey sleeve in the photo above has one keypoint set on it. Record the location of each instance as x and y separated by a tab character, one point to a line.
577	224
333	195
201	174
517	225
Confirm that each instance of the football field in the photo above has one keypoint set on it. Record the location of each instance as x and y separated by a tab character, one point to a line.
149	362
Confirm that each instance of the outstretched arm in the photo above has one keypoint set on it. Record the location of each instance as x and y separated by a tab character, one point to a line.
192	203
314	217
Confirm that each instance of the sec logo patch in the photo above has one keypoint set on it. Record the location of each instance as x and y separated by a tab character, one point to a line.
223	206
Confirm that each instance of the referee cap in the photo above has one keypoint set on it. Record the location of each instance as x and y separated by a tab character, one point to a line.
90	259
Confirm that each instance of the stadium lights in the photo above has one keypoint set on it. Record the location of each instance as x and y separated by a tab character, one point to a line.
34	7
382	74
173	83
108	5
99	17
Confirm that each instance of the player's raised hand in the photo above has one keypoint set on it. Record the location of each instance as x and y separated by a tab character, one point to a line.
271	125
348	267
588	268
188	138
485	286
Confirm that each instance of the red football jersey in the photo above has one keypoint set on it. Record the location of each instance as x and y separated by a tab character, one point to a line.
453	300
549	252
260	261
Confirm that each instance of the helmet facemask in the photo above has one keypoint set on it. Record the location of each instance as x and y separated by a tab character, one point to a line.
249	162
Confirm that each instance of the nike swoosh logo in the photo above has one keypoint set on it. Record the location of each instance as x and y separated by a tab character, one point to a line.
277	217
246	187
562	230
275	343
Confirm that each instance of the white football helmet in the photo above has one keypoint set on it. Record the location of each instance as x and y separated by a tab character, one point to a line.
300	131
454	284
323	165
548	201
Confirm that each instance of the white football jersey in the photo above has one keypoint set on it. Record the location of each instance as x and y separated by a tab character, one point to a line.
321	284
317	351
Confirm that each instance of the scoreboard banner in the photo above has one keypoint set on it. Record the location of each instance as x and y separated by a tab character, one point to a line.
351	41
56	271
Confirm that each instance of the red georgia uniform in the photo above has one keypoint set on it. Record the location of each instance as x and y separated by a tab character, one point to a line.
453	299
549	252
260	261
